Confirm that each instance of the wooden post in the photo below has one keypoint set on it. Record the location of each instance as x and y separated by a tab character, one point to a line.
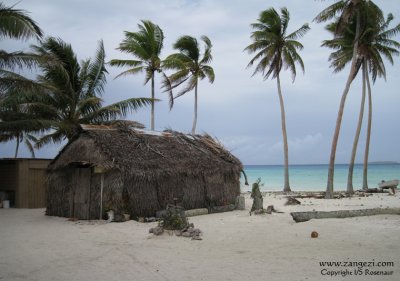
101	195
100	170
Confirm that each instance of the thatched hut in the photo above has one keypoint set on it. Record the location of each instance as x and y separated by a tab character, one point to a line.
139	172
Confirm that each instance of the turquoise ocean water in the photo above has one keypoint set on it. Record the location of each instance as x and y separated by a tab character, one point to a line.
314	177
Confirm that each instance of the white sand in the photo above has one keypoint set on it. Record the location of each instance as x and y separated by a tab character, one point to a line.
235	246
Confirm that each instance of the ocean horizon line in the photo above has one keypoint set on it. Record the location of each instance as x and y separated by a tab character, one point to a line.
314	176
327	164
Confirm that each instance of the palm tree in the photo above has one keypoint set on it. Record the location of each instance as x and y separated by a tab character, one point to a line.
74	90
378	43
17	124
343	44
16	24
28	139
191	67
275	49
374	41
350	11
145	45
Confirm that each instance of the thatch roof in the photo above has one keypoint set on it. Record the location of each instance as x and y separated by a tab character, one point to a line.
146	153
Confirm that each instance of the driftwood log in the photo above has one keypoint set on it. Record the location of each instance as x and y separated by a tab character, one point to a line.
318	195
306	216
390	189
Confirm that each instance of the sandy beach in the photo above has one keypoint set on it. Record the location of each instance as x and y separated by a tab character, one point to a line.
234	246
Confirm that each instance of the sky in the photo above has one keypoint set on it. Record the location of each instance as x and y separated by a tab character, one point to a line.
240	110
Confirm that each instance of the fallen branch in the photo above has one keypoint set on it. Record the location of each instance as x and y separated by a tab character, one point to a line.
306	216
318	195
372	190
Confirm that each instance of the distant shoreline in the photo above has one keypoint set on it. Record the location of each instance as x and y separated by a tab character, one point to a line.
338	164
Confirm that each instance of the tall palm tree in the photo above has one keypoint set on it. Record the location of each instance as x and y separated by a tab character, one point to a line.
349	11
343	44
374	42
16	24
145	45
73	92
378	43
275	49
191	67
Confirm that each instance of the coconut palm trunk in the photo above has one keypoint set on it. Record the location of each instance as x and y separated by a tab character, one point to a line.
350	189
367	142
17	147
195	110
275	48
331	171
286	187
152	103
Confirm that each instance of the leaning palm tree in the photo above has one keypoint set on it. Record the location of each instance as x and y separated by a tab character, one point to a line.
349	11
16	24
373	43
275	49
145	45
343	54
73	92
378	43
191	67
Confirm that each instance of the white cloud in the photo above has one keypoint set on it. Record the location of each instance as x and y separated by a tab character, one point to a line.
299	143
241	110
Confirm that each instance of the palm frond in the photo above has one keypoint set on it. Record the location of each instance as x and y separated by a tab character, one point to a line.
272	47
89	105
176	61
15	23
28	125
115	110
188	46
190	85
11	82
17	60
123	63
207	57
96	78
29	139
167	85
131	71
56	137
285	18
208	72
330	12
298	33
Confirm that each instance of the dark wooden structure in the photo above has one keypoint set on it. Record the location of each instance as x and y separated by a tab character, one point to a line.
139	172
24	181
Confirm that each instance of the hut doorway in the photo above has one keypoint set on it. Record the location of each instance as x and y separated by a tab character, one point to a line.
81	196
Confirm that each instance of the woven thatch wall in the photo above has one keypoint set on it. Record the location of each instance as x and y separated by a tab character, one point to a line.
59	187
112	193
144	172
